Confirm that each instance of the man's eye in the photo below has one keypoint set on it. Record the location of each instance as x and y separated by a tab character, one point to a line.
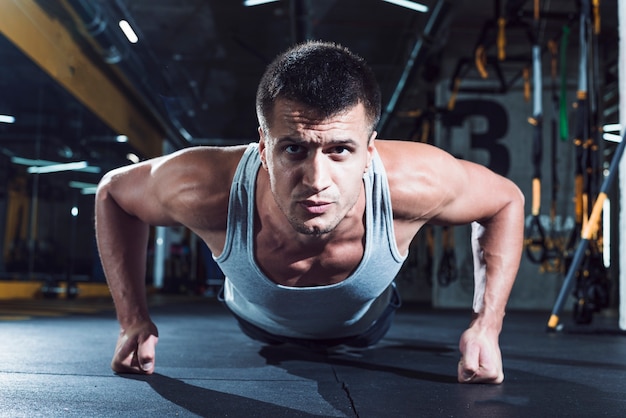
293	149
341	150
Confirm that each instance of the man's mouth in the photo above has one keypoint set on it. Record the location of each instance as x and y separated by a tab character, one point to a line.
315	207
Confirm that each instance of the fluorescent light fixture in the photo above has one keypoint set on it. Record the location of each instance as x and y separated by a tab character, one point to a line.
85	188
45	166
7	119
611	137
29	161
88	190
128	32
133	158
53	168
612	127
606	232
81	185
256	2
418	7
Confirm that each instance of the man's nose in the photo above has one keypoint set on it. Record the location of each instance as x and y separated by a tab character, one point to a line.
316	172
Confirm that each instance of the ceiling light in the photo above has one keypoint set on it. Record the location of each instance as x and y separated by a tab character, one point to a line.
606	232
611	137
45	166
85	188
128	31
88	190
256	2
612	127
7	119
132	158
418	7
121	138
53	168
80	184
29	161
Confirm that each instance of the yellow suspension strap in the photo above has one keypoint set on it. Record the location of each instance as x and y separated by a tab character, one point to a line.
480	58
416	115
501	40
596	17
423	128
454	93
536	10
526	76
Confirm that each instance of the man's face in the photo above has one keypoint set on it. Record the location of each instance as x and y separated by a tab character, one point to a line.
316	165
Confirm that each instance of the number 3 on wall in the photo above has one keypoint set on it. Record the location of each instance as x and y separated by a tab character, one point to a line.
497	125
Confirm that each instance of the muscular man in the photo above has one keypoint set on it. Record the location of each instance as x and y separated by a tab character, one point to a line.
312	223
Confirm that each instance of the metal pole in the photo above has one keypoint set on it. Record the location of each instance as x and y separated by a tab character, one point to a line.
301	21
161	241
417	53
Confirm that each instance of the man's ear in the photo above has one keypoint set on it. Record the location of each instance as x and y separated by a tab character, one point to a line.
371	148
262	147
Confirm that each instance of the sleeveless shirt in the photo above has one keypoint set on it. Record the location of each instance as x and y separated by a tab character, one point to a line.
343	309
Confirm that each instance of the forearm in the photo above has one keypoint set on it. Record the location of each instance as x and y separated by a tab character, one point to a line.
122	244
497	248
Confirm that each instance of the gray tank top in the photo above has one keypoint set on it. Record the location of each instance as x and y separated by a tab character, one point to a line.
339	310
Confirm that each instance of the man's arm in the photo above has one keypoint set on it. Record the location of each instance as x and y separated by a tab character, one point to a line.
187	188
497	239
430	186
122	237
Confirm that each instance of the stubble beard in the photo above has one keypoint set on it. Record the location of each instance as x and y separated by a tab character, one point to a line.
314	231
299	225
318	231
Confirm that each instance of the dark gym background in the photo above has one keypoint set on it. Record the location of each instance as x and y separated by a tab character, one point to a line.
78	99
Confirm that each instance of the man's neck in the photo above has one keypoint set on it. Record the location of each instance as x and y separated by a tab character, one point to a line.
294	259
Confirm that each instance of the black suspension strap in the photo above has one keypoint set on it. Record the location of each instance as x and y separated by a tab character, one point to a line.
563	105
553	242
587	267
535	234
593	284
582	129
447	265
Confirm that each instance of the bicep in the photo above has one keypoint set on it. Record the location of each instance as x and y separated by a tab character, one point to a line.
190	187
429	185
474	193
136	191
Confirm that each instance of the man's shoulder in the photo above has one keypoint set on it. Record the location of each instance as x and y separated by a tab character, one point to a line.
416	174
204	162
198	170
223	154
194	183
406	157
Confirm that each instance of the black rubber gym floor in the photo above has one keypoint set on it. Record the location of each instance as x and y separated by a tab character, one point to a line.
58	366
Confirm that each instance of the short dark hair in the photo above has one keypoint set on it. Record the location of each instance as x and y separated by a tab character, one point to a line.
324	76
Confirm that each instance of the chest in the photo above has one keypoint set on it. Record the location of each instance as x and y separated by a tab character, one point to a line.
298	266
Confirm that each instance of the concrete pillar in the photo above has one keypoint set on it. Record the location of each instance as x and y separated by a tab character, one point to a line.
621	10
161	242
